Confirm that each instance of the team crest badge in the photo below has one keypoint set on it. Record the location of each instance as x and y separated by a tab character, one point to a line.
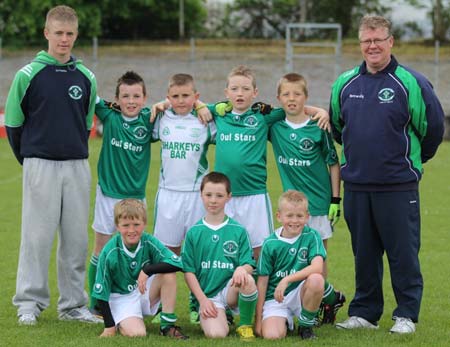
140	132
98	288
166	131
230	248
386	95
215	238
251	121
75	92
306	144
302	255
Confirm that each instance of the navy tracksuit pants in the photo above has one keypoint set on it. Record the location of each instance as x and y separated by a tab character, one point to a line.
385	222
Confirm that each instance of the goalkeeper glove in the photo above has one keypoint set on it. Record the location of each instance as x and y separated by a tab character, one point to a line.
262	108
223	107
113	106
334	211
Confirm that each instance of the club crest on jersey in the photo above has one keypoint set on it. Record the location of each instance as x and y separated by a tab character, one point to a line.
230	248
133	265
75	92
306	144
292	251
140	132
302	255
251	121
386	95
98	288
166	131
215	238
293	136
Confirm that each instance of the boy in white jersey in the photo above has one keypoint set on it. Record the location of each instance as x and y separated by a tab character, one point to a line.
184	145
307	161
218	263
126	144
290	281
135	273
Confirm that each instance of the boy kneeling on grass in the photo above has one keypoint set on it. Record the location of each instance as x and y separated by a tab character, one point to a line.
218	263
290	268
136	273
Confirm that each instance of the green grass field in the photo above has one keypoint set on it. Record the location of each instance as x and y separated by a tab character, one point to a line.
433	329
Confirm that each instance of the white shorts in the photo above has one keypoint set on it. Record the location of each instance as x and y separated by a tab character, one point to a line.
289	308
321	224
220	299
254	212
134	304
104	213
175	213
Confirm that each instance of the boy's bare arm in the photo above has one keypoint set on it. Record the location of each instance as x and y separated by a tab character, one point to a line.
207	307
157	108
261	285
316	266
320	115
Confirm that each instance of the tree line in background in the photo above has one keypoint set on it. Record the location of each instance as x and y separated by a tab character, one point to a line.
22	21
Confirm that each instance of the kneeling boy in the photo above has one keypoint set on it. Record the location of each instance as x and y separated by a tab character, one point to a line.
218	263
290	281
135	274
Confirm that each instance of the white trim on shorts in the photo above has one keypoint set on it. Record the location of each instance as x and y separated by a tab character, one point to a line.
322	225
134	304
254	212
104	213
175	213
289	308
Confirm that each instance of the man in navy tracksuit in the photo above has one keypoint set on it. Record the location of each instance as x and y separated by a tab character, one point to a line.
389	122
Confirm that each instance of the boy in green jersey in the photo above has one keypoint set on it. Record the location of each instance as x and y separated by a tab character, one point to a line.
135	274
307	161
290	281
126	144
218	263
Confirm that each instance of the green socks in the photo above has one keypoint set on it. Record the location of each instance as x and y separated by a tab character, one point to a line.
307	318
329	295
167	320
247	306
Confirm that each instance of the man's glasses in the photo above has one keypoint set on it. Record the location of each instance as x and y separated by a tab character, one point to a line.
376	42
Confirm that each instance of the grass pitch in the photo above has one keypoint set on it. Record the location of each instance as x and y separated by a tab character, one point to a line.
433	329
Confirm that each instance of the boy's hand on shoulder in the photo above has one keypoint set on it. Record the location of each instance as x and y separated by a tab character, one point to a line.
280	289
157	108
262	108
323	119
142	281
223	107
203	113
207	309
108	332
113	105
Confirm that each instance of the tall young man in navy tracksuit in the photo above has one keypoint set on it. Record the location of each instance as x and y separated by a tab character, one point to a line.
48	117
389	122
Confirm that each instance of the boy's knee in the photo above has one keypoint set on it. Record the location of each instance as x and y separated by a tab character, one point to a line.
216	333
315	282
273	334
250	286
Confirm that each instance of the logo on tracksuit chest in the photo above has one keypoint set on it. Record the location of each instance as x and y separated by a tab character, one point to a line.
386	95
75	92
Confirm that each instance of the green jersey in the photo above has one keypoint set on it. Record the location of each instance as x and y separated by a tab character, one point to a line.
212	253
118	268
281	256
124	160
303	155
241	149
